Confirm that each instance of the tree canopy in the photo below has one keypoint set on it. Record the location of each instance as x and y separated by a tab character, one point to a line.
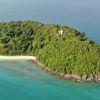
71	52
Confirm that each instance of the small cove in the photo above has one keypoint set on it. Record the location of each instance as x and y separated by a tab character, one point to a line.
24	80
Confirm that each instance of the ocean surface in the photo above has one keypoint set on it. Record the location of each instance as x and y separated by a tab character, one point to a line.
22	80
83	15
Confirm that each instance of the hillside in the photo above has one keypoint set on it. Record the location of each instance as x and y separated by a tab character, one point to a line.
60	48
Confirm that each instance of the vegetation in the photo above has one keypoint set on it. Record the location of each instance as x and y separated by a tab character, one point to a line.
71	52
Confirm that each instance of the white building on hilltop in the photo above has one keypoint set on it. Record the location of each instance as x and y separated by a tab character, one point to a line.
61	32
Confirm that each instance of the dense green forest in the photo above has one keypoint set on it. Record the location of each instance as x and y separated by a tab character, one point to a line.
70	52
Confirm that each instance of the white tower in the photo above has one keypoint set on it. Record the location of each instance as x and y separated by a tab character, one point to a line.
61	32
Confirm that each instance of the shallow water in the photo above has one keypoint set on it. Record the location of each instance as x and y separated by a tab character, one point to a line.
21	80
81	14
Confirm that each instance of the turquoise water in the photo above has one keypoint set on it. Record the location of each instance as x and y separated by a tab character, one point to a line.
81	14
21	80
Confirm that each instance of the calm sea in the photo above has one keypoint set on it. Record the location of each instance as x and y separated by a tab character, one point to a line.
21	80
81	14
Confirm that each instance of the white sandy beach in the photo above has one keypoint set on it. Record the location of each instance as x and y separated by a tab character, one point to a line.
17	58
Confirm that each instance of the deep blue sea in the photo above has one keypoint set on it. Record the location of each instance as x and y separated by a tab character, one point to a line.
83	15
21	80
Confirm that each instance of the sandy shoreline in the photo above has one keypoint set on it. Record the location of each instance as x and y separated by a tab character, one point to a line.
33	59
17	58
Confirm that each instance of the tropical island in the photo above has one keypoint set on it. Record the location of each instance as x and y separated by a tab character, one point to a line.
59	49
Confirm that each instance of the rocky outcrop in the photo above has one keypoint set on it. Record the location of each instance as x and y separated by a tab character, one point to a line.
90	78
97	78
67	76
84	77
74	77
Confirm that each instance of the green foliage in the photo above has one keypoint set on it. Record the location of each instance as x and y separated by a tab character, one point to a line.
69	53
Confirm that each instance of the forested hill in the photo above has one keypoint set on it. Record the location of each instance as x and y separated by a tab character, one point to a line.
60	48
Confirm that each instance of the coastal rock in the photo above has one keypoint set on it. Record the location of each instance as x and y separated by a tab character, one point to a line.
61	74
73	77
90	78
98	77
84	77
67	76
76	77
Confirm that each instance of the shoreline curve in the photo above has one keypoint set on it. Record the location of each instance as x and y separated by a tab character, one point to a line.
40	65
